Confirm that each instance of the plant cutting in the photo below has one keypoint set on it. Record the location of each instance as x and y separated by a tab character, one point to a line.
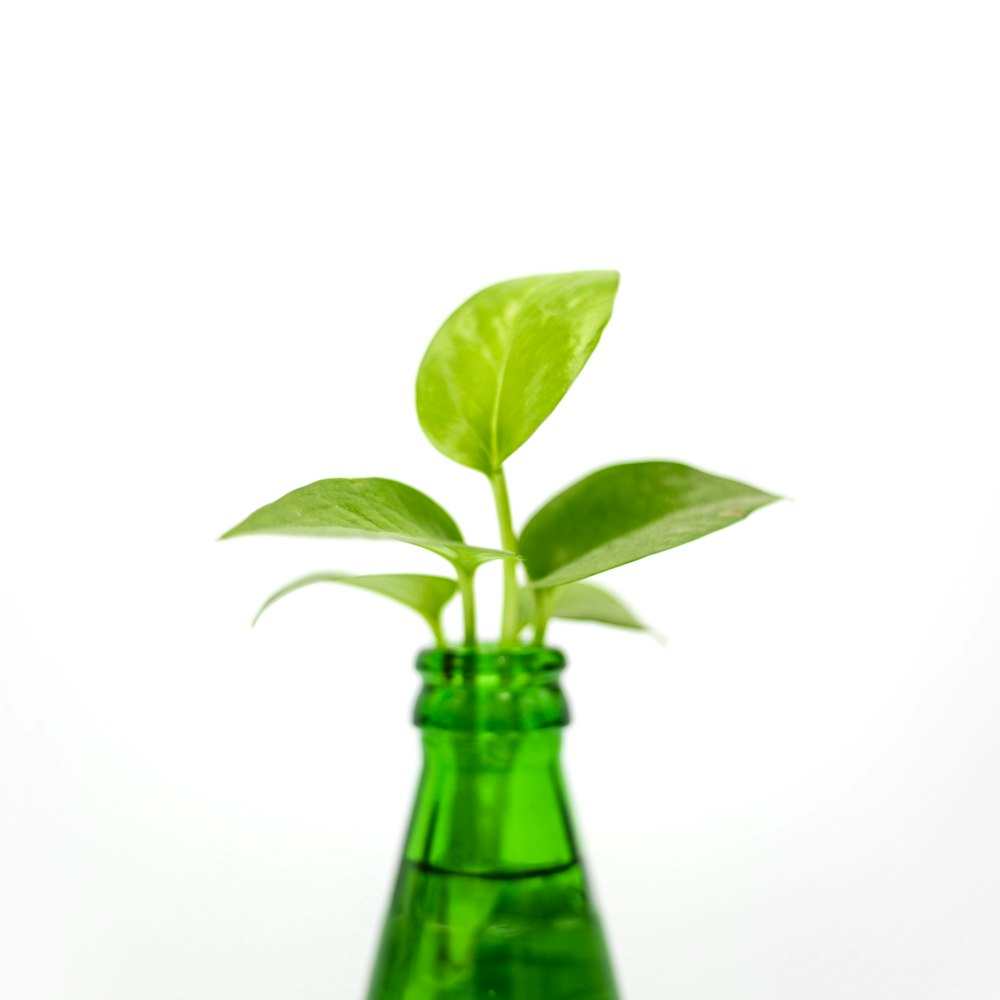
491	899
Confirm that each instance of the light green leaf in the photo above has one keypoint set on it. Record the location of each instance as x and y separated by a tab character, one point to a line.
585	602
365	508
625	512
427	595
503	361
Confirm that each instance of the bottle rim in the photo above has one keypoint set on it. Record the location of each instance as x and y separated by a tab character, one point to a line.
490	659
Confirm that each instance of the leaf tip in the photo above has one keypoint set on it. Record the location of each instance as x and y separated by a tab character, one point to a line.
657	636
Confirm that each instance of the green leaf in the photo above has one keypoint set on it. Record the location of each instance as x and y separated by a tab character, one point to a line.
365	508
503	361
625	512
427	595
585	602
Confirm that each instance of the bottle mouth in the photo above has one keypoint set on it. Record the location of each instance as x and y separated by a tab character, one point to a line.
489	660
491	689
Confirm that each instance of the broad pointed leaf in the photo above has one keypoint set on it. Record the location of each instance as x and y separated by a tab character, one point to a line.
625	512
365	508
427	595
502	362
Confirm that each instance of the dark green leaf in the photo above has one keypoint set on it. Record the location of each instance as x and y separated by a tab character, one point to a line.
503	361
626	512
365	508
427	595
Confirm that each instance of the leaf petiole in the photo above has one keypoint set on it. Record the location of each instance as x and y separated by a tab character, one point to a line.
508	539
543	610
466	586
439	639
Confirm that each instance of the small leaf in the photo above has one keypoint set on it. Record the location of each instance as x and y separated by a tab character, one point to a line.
365	508
585	602
427	595
502	362
625	512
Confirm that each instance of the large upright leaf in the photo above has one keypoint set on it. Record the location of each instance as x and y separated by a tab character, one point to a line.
427	595
625	512
365	508
503	360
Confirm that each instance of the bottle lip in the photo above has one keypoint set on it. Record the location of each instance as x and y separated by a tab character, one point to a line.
490	659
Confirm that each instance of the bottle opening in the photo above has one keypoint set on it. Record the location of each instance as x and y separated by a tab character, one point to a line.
490	660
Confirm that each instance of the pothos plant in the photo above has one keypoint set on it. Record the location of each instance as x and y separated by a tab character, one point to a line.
495	370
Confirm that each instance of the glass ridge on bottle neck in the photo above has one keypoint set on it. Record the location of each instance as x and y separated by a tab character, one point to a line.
489	689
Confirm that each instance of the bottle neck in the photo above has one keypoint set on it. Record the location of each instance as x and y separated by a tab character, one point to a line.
491	800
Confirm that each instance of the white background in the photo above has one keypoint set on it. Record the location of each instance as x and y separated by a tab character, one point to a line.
228	232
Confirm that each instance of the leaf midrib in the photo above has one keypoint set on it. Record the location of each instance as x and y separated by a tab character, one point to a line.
494	457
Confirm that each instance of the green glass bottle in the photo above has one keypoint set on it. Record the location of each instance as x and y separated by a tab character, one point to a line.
491	902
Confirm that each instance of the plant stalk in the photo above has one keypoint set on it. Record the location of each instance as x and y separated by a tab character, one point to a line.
435	624
508	539
467	587
543	608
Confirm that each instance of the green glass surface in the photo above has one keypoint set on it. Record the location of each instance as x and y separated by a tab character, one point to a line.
491	901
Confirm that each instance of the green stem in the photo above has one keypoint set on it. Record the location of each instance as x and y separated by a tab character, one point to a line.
468	590
435	624
508	539
543	608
